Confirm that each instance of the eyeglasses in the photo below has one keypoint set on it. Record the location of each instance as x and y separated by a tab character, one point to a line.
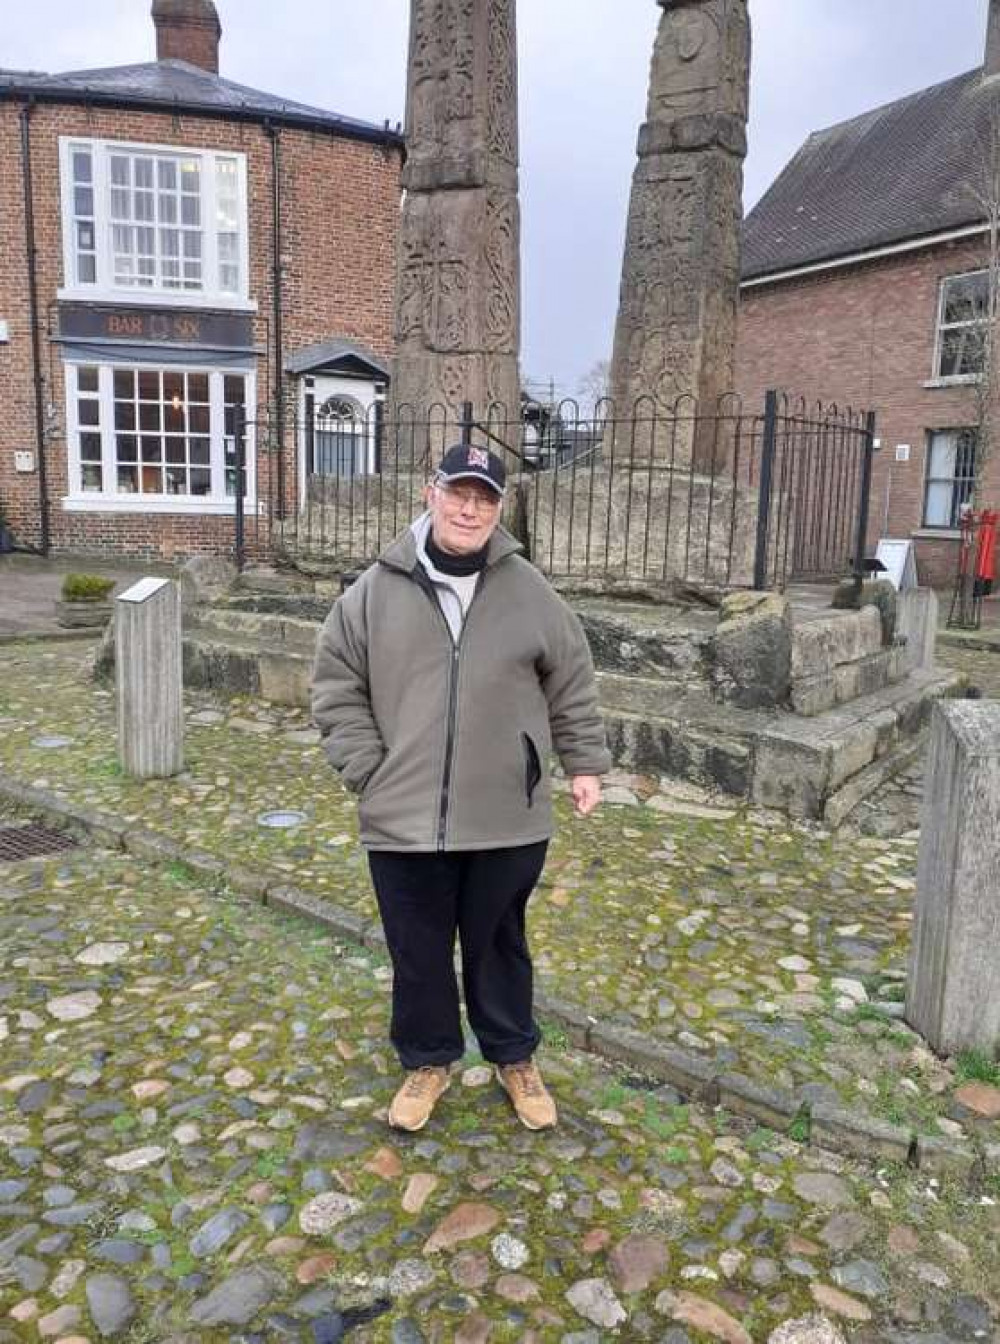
457	497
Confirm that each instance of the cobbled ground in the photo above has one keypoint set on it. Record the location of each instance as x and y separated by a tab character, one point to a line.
193	1147
766	947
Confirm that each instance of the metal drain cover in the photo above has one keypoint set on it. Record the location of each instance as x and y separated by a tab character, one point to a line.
31	840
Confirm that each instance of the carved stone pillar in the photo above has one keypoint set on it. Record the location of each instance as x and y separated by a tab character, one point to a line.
457	311
676	329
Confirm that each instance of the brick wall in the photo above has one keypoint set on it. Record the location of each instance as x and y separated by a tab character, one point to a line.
865	336
340	201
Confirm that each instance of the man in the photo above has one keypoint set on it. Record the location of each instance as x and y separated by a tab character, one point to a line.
443	676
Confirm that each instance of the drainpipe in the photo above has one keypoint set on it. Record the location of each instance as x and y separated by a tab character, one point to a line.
279	389
36	353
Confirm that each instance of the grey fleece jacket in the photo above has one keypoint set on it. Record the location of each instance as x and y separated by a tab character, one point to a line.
447	742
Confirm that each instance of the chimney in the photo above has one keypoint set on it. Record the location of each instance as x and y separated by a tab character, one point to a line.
188	30
991	60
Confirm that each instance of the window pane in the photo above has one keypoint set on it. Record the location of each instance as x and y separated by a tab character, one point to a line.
167	209
82	167
128	480
86	378
88	411
152	480
197	384
190	176
124	415
143	172
190	210
173	418
144	205
149	416
90	476
173	385
124	383
192	244
198	419
201	482
941	462
152	448
234	390
90	447
175	450
176	481
126	447
86	269
83	201
149	385
85	235
966	298
120	170
938	510
962	350
200	452
120	204
166	173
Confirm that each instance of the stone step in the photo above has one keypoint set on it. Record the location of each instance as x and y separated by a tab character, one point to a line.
848	681
769	757
274	631
240	665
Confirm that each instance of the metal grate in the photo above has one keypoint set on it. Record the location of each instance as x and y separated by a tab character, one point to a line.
32	839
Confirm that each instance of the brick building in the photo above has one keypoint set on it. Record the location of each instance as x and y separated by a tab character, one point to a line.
176	249
866	281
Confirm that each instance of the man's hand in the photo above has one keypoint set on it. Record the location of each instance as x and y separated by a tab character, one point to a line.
586	790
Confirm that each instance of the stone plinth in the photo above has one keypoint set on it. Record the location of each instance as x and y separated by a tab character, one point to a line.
650	525
917	620
676	330
953	994
457	306
149	679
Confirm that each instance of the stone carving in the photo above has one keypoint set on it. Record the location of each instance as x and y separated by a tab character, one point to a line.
457	311
676	329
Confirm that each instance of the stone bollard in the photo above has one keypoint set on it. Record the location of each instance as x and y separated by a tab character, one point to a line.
148	662
953	992
917	619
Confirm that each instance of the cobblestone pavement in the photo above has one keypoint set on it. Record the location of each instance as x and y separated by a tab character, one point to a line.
763	947
193	1147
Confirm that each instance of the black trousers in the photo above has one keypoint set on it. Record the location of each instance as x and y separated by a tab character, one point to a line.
424	900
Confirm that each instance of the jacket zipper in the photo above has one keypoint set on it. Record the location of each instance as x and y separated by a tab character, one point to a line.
449	751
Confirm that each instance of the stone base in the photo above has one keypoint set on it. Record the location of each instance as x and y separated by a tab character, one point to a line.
655	673
83	615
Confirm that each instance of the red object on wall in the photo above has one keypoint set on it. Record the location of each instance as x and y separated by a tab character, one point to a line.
986	556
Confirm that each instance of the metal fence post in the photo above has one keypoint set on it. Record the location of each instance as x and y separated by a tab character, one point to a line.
239	436
467	422
861	539
768	449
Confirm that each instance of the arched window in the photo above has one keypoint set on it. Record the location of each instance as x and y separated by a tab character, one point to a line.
340	441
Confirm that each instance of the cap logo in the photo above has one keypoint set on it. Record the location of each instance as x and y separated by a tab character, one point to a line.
478	457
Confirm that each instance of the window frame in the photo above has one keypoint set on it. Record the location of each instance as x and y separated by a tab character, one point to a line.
217	501
938	529
952	379
103	289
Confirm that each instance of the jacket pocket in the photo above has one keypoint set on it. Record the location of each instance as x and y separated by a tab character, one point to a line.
532	767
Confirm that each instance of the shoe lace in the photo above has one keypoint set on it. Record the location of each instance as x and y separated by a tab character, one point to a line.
419	1081
527	1078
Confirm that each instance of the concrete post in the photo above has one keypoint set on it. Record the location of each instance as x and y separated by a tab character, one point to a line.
953	994
917	619
150	679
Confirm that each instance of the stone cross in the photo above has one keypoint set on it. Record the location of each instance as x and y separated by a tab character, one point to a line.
457	304
149	678
953	994
676	329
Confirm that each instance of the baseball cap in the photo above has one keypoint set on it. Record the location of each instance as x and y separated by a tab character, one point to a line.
467	462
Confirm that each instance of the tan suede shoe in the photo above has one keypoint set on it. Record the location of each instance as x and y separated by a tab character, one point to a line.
529	1096
414	1103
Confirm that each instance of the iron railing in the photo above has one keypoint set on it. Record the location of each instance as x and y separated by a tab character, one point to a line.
654	497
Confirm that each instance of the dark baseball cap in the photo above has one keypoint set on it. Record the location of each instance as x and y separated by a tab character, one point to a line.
466	462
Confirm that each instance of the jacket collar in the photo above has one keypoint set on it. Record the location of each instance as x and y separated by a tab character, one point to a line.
401	554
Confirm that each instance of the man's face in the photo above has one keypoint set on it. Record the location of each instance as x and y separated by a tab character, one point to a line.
464	515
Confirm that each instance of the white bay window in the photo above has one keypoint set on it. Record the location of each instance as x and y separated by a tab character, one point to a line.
153	223
155	439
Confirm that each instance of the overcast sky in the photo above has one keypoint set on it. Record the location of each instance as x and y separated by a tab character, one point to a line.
583	71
